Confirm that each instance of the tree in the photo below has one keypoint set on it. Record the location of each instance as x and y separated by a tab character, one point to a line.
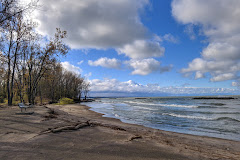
86	89
40	61
28	68
10	9
9	54
2	81
13	33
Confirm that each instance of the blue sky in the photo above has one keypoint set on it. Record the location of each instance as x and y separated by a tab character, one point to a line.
149	47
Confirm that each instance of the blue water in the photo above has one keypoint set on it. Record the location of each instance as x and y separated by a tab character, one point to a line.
209	117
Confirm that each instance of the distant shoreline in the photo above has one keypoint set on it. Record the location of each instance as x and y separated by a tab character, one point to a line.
172	96
224	98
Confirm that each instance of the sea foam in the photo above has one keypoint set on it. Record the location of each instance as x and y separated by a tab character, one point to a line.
187	116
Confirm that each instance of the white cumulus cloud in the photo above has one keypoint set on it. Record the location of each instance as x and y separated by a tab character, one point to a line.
93	23
106	62
100	25
140	49
69	67
146	66
223	77
219	22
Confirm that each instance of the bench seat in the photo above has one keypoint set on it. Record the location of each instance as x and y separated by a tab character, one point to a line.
23	106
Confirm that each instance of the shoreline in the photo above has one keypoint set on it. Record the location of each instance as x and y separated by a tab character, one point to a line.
91	109
188	134
132	122
171	138
76	131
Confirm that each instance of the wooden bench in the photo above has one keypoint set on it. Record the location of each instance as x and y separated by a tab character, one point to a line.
23	106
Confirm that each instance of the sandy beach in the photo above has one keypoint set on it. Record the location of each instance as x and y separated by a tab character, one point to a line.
75	132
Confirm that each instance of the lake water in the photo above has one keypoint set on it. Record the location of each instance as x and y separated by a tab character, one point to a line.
208	117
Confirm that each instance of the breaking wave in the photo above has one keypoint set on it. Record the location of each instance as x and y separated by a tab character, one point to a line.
227	118
178	105
202	117
186	116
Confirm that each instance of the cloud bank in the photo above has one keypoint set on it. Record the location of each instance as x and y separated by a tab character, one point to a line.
97	24
219	22
114	87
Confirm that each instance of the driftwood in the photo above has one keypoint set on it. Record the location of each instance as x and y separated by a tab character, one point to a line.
135	137
108	126
82	125
67	128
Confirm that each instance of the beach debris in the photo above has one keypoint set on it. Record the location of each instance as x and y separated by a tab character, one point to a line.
67	128
107	126
168	142
51	114
135	137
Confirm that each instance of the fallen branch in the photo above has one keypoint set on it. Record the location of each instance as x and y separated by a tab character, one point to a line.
108	126
67	128
135	137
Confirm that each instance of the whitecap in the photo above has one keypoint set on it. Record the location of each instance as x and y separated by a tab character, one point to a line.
187	116
178	105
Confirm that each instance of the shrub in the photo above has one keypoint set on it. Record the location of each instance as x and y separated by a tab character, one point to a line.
63	101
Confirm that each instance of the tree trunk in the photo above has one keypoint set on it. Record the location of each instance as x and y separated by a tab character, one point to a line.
13	71
9	72
40	94
8	81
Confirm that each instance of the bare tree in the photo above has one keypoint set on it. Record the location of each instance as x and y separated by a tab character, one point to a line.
10	9
86	89
40	61
9	37
29	69
13	32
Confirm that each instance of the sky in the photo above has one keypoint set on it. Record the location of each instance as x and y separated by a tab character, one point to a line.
149	47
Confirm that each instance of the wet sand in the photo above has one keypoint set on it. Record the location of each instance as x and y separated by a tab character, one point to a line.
75	132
